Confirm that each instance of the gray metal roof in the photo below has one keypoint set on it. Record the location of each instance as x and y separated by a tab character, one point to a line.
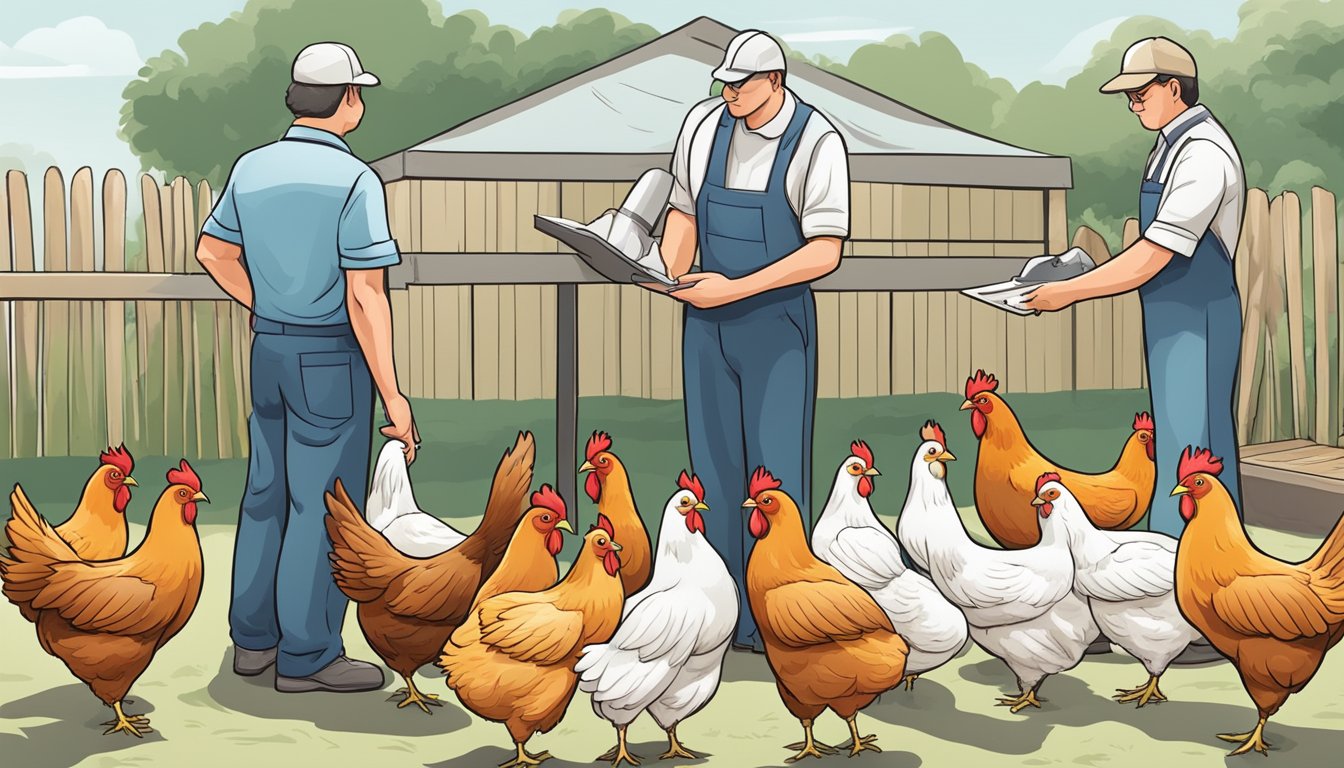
615	120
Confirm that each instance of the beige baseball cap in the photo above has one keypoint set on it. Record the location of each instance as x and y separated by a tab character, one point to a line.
750	52
330	64
1147	59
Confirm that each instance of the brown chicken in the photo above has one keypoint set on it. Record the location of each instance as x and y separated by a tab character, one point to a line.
1007	466
408	606
97	530
512	661
1274	620
608	485
107	619
827	641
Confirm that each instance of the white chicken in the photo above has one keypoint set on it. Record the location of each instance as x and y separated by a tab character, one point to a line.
1128	579
850	537
666	657
391	509
1020	604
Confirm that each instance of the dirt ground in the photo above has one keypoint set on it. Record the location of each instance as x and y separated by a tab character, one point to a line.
203	715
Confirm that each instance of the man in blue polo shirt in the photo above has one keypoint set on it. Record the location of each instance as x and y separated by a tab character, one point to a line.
299	236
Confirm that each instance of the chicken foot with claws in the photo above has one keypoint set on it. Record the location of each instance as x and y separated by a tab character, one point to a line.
675	748
809	747
1143	694
621	751
413	695
1017	703
1255	740
859	743
136	725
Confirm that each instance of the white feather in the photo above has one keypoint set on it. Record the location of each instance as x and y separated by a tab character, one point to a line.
391	509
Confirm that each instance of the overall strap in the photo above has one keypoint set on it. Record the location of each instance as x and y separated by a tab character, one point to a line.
717	170
1170	141
788	144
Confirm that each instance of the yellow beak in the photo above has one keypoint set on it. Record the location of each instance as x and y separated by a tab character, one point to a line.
201	497
616	547
966	406
702	506
587	467
945	456
1178	490
871	471
130	481
749	504
564	525
1038	501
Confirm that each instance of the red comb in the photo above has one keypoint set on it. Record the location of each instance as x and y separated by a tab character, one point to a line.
980	382
604	524
762	481
118	457
185	475
1202	460
861	449
547	498
931	431
691	483
600	441
1144	421
1048	477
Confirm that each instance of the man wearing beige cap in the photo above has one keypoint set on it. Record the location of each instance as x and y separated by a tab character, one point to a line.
1190	208
761	186
299	236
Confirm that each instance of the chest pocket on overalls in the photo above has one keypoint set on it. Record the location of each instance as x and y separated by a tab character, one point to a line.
736	234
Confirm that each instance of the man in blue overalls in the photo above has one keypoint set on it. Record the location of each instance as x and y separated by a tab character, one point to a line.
1190	211
762	189
299	236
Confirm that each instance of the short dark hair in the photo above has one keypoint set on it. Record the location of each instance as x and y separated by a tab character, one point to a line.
1189	88
306	100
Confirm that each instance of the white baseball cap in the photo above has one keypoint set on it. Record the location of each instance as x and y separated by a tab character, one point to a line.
330	64
750	52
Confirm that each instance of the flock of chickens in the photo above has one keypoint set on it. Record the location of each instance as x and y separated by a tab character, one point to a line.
854	612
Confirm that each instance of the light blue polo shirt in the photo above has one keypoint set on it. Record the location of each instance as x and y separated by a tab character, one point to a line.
304	209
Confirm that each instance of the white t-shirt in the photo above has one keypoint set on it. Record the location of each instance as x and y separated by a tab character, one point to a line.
1205	186
816	181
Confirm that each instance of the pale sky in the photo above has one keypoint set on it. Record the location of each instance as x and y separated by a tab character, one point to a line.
63	63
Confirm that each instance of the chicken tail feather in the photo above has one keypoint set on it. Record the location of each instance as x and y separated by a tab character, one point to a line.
363	563
1328	561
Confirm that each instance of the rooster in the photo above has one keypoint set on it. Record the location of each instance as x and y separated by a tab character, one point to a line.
107	619
1274	620
828	642
408	606
1020	604
97	529
666	657
1008	464
608	485
513	660
850	537
1128	580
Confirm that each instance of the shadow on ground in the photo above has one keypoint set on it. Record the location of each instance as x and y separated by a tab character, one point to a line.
67	739
340	712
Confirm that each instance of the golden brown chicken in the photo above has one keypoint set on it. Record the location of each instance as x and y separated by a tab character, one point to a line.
97	529
408	606
107	619
512	661
608	485
1274	620
1007	466
827	641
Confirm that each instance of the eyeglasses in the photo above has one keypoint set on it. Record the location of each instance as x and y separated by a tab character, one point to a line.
1141	95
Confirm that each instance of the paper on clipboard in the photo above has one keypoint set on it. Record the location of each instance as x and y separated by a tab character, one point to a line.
1009	294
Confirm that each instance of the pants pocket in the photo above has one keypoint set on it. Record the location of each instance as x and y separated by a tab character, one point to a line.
328	395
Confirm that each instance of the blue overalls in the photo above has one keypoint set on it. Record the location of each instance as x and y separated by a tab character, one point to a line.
750	366
1192	339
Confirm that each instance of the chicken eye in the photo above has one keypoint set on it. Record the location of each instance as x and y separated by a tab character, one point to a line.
982	401
932	451
685	501
116	475
546	518
601	542
181	494
1199	482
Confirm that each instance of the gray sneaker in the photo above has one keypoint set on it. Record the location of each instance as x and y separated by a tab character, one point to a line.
252	663
340	676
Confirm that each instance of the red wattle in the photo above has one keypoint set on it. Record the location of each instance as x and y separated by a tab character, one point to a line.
695	522
1152	450
978	424
1187	507
593	487
758	524
865	486
612	563
554	543
1046	509
189	512
121	499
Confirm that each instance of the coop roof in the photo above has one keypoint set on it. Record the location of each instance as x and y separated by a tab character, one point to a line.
621	117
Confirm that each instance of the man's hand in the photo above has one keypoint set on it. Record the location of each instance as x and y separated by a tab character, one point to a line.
1050	297
705	290
402	426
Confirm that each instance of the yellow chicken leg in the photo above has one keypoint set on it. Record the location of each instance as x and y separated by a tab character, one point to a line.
675	748
1255	740
621	751
419	698
910	682
809	747
1143	694
1017	703
136	725
859	743
524	758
